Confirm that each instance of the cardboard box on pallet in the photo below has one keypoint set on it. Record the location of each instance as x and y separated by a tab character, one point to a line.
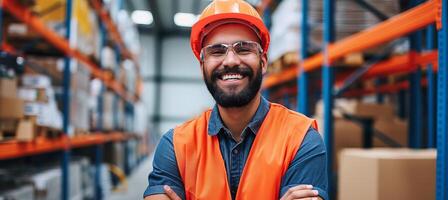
8	87
395	130
11	108
378	174
26	130
358	109
53	66
347	134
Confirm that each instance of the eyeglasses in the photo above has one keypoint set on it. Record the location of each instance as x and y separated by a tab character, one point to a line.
217	52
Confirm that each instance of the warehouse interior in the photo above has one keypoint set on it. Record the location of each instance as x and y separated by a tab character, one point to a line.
88	88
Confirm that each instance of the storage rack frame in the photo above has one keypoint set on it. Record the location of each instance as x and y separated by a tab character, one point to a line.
15	149
423	14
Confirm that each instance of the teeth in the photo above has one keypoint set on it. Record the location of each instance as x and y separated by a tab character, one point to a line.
232	76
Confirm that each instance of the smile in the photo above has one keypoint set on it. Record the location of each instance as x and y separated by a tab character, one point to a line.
232	76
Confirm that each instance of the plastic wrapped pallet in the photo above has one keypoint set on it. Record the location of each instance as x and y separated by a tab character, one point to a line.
285	30
22	192
48	183
108	110
128	31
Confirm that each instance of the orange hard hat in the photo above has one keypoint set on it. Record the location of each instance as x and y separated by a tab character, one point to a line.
222	10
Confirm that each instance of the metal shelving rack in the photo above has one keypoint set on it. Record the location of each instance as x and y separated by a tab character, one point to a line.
422	15
65	144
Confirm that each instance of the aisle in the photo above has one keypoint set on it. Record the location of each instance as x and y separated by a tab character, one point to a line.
137	182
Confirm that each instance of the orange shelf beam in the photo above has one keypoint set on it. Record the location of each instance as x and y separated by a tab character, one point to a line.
404	85
15	149
402	63
24	15
396	64
395	27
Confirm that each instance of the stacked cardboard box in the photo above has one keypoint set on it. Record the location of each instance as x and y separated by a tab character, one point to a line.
349	134
387	174
80	103
40	101
84	23
12	112
54	66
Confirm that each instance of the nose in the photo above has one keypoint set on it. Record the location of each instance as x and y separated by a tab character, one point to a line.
231	59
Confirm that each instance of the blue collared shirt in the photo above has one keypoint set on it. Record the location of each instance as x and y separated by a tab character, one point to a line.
307	167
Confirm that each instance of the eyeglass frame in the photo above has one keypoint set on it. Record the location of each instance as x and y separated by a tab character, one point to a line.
232	46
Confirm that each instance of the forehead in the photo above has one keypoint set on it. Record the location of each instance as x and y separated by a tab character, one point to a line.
230	33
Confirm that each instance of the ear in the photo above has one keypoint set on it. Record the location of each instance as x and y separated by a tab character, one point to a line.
264	63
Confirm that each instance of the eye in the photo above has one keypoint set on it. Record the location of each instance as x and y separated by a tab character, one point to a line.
216	50
244	48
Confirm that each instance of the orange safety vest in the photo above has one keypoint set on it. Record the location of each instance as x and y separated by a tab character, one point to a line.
202	168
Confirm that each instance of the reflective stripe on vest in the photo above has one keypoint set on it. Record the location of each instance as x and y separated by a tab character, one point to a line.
202	168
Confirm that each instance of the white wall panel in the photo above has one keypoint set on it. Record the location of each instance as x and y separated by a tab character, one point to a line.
147	59
178	59
166	126
184	100
148	97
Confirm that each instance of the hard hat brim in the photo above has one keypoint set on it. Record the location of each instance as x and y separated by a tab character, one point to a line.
195	38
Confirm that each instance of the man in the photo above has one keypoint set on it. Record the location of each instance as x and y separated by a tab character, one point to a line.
245	147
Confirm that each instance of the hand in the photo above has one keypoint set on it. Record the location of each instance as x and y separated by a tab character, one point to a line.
170	193
301	192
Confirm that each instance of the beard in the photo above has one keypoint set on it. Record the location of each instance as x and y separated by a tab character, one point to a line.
234	98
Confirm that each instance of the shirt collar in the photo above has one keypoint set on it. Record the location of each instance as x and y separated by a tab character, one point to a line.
215	123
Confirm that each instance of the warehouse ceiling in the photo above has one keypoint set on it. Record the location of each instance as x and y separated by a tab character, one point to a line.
163	12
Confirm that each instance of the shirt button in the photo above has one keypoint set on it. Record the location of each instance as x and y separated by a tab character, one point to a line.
235	151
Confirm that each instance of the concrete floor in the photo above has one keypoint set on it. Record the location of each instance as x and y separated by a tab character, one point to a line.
137	182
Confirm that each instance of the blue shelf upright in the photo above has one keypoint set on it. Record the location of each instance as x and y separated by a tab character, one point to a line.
302	82
431	138
66	96
100	125
327	91
442	108
415	97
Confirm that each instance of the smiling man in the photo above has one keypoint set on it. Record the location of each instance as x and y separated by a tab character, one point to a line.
245	147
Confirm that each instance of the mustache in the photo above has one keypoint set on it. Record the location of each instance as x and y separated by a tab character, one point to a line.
244	71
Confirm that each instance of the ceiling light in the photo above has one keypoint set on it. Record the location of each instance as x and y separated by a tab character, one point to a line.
143	17
185	19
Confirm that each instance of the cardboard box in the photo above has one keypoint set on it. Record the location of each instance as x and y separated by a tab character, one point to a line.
11	108
373	110
53	65
8	125
8	87
395	129
26	130
347	134
358	109
379	174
